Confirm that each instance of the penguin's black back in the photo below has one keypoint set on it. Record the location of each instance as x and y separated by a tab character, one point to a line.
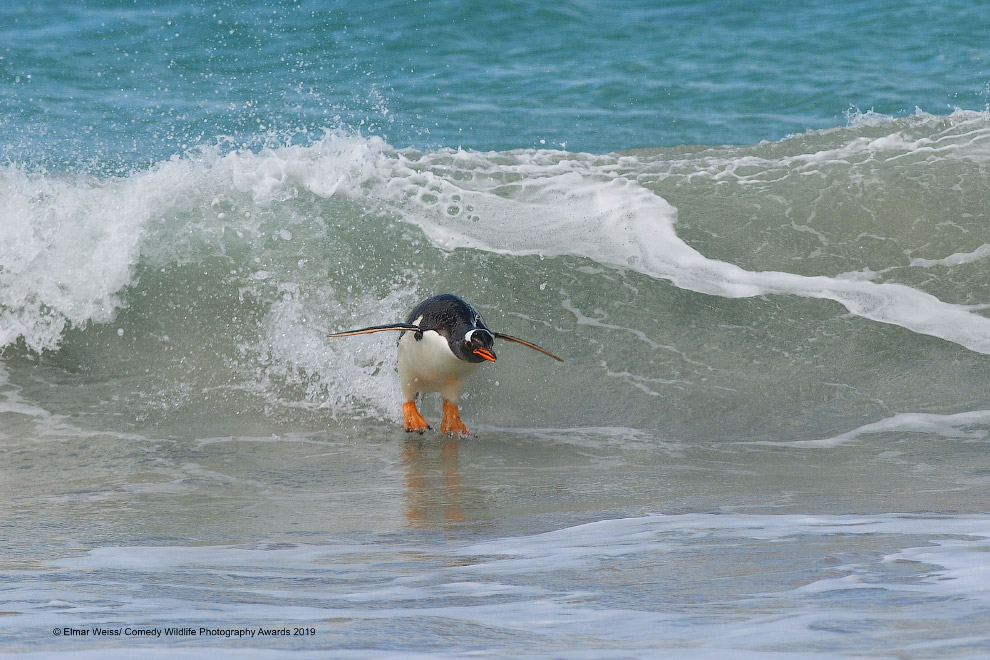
445	314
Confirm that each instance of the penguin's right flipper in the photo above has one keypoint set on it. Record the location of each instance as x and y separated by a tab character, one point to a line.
499	335
377	328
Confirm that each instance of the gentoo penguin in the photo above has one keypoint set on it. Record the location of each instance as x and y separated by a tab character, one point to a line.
443	341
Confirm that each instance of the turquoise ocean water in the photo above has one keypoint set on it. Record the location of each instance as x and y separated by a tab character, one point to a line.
756	232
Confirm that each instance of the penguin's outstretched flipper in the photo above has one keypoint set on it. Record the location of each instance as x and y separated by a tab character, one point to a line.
377	328
499	335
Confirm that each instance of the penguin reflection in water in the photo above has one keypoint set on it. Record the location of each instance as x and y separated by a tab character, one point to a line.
443	341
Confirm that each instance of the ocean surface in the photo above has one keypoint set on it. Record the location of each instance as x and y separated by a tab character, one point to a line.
757	233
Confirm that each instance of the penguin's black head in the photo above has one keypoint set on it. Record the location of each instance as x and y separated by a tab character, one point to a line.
476	345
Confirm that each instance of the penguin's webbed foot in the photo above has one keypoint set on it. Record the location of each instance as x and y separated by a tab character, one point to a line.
452	423
411	419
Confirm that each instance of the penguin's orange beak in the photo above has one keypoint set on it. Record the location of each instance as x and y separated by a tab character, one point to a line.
484	353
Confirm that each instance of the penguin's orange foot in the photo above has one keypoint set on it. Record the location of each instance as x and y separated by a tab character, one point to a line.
452	423
411	419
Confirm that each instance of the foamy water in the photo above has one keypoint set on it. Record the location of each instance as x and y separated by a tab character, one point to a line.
778	585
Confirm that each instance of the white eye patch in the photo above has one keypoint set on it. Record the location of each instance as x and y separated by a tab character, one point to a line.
470	333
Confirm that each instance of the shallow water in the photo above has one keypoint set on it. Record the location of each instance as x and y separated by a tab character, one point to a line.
536	543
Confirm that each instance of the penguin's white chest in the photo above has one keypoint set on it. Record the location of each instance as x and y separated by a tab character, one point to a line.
428	365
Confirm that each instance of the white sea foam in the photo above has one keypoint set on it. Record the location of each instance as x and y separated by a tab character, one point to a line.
958	547
295	338
67	247
70	245
957	425
556	587
955	259
569	209
591	541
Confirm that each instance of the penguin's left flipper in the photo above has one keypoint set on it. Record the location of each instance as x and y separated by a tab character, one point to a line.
377	328
499	335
